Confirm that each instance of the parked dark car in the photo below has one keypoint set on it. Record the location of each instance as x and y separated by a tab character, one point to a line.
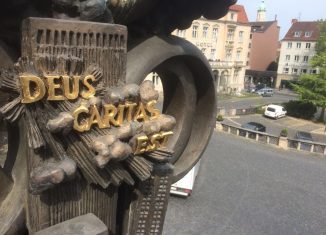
304	136
255	126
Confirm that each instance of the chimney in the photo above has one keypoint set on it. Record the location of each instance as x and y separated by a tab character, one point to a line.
294	21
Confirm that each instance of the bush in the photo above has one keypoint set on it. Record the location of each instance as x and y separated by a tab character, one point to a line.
260	110
300	109
219	118
284	132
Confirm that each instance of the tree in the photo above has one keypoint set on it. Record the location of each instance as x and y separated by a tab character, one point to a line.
312	87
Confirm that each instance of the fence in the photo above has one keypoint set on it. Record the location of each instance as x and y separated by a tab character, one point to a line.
282	142
235	112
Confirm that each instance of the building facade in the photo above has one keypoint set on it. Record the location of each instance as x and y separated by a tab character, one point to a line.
225	43
262	58
297	49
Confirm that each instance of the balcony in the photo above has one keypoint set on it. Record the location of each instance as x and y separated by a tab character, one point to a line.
239	64
221	64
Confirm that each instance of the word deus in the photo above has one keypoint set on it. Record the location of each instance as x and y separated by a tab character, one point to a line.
110	115
59	88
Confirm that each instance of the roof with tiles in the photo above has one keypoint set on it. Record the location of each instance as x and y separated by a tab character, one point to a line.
303	31
242	15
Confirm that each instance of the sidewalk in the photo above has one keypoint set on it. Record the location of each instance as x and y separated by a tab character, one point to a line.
285	92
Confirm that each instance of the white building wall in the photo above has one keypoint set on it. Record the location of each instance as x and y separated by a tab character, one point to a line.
295	59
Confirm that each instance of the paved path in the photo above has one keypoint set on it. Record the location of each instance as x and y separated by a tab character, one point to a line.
240	103
248	189
274	127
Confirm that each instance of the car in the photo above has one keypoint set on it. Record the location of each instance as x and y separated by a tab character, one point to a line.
302	135
265	91
275	111
255	126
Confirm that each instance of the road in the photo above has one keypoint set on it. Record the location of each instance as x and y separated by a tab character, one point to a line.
274	127
240	103
244	188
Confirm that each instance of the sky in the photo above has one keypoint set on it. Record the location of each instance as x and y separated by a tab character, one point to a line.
286	10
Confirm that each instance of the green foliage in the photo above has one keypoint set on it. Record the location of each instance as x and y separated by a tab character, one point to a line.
312	87
300	109
219	118
284	132
260	110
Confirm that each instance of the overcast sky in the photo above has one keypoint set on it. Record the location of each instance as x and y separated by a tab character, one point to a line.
308	10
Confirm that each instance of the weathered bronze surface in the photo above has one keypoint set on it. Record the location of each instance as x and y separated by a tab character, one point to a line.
76	113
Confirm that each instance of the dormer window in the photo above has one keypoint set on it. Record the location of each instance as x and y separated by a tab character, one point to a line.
297	34
307	34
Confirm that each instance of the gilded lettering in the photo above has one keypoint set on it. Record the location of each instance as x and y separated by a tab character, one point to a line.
90	92
150	106
81	124
141	113
33	88
54	88
71	87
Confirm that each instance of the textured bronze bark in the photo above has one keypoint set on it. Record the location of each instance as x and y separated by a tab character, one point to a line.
53	45
59	46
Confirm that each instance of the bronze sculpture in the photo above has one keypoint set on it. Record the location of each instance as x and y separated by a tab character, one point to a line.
189	97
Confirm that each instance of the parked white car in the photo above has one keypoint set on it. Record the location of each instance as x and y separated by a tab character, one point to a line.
275	111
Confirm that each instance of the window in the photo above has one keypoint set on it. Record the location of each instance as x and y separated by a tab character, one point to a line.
297	34
228	56
232	16
289	45
194	31
298	45
305	58
294	71
286	70
248	55
213	52
307	34
215	33
155	78
308	45
238	55
251	36
296	58
205	30
241	36
235	76
230	34
249	46
303	70
313	71
287	57
181	33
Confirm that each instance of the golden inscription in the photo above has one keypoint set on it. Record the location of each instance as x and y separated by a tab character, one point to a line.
151	143
111	115
33	89
58	88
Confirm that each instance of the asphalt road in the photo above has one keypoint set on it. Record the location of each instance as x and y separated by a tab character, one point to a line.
244	188
274	127
240	103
